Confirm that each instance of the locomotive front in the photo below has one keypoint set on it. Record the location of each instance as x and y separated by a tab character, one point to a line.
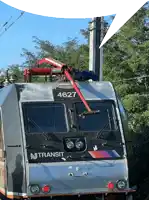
69	151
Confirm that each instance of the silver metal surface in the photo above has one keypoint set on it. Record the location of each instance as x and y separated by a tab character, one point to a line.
37	91
96	177
13	140
43	92
65	177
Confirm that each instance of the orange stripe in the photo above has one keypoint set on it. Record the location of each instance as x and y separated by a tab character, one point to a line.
99	154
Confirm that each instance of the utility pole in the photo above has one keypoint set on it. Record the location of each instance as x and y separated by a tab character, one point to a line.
95	54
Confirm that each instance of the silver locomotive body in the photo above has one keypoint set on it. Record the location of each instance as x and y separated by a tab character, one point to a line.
35	160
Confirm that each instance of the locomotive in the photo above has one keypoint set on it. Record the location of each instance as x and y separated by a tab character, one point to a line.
62	137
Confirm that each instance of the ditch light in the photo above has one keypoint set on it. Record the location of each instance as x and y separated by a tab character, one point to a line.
121	184
35	189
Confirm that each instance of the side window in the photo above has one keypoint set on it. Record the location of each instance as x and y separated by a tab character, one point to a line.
124	116
122	110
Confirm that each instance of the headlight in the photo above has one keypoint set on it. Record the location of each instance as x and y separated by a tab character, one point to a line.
121	184
34	189
79	144
69	144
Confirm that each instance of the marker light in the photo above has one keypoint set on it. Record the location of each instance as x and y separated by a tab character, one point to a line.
121	184
79	144
34	189
69	144
46	189
110	185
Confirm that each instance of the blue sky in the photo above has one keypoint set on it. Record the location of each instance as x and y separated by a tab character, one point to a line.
20	34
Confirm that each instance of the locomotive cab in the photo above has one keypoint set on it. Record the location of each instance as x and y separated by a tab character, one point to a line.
52	145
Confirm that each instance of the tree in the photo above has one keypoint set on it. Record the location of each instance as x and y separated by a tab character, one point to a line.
126	57
70	52
17	71
126	65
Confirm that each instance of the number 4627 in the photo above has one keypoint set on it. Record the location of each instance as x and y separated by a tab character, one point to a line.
66	94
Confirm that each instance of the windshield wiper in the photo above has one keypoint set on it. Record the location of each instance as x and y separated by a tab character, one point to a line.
106	141
51	137
101	135
85	113
110	143
34	124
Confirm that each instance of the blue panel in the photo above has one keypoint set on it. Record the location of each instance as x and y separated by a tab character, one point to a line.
85	75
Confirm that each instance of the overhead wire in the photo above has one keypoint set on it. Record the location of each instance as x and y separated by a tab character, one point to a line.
3	25
133	78
6	23
22	13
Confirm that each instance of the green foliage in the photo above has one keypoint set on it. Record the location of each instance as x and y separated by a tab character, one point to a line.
126	57
17	72
70	52
123	89
135	103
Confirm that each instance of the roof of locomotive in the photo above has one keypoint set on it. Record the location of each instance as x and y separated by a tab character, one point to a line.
44	91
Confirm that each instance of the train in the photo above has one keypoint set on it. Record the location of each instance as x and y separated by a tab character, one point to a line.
63	137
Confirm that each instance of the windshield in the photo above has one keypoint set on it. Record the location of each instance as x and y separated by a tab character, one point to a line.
105	119
44	117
